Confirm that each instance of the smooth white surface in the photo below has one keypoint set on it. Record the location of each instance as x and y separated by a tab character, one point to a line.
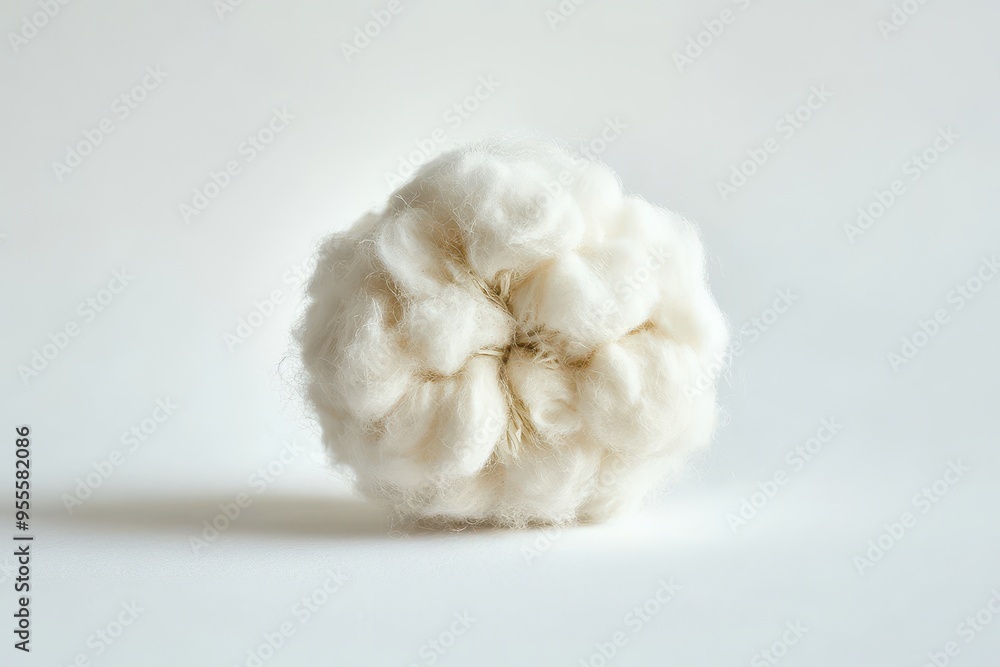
163	336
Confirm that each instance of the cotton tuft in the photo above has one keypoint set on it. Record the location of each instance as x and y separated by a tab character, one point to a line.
513	340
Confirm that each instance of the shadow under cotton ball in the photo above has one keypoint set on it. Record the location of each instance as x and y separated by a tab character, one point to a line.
513	340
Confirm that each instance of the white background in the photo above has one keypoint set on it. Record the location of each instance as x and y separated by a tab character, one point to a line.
537	598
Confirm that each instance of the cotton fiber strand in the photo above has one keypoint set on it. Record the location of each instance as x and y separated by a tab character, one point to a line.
513	340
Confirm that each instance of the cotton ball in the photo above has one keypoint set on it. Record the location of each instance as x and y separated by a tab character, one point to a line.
513	340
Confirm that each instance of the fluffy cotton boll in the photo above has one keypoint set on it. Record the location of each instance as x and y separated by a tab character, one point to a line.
410	250
506	201
587	300
548	393
597	191
513	340
364	369
418	441
547	487
472	323
632	393
371	371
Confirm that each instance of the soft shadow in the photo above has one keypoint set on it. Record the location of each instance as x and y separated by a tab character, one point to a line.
268	514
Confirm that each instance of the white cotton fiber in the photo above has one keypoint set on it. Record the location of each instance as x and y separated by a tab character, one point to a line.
513	340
